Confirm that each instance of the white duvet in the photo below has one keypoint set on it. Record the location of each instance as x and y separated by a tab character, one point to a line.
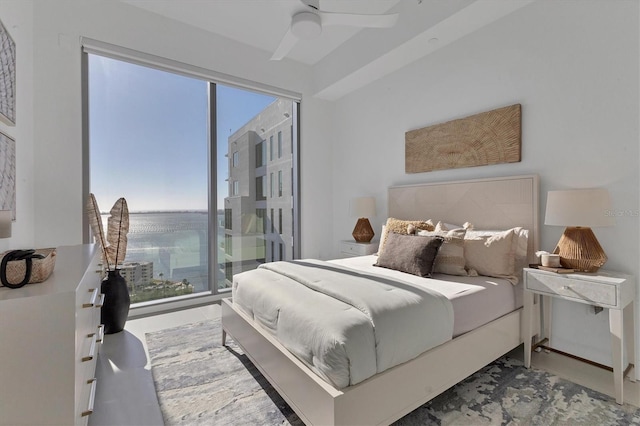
345	324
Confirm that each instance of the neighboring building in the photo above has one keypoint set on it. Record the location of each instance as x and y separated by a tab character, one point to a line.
259	209
137	273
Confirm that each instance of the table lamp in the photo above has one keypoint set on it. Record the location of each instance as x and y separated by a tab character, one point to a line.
579	210
363	208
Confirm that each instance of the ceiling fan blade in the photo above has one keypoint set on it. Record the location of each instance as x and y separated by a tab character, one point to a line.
315	4
357	20
286	44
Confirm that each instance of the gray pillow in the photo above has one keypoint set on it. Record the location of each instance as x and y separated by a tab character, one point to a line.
411	254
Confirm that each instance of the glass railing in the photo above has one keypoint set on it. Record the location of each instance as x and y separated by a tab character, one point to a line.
167	255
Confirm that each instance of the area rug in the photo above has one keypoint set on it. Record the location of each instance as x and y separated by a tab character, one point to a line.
198	381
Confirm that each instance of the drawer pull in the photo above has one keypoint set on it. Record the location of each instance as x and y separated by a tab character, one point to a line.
100	333
92	349
100	301
94	297
92	398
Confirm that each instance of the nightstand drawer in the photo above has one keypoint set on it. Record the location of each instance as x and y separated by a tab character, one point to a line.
596	293
352	248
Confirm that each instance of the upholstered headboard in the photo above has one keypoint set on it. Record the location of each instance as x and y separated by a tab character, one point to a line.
495	203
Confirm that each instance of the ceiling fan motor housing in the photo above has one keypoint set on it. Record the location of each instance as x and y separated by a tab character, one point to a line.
306	25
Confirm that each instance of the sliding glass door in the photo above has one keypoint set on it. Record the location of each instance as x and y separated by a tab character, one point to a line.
208	172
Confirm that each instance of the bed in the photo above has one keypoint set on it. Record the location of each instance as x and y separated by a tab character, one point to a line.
499	203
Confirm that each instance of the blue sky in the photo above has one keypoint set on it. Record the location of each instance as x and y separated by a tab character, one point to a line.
148	135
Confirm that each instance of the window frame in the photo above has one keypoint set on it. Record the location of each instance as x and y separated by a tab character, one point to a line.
271	148
92	46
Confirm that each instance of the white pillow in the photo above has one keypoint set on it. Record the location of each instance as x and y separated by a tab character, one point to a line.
492	253
443	226
380	243
520	244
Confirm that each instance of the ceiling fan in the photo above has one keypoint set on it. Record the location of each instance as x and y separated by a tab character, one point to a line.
307	24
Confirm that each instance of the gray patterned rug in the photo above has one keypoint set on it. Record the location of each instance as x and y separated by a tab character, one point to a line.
200	382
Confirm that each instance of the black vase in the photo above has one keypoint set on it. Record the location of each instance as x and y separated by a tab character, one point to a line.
115	309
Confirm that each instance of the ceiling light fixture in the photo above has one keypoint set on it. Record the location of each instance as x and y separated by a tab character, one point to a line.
306	25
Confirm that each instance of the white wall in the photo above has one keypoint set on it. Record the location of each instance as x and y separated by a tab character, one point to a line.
17	19
574	68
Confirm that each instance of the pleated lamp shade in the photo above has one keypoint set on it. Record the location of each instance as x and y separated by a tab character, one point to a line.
579	210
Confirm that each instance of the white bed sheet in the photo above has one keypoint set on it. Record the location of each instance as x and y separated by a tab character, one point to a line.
476	300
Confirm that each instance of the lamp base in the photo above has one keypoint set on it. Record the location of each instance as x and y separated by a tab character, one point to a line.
579	249
363	232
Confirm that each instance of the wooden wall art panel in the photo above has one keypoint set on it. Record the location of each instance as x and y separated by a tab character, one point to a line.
492	137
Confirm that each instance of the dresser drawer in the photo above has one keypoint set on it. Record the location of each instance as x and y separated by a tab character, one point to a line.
87	395
592	292
87	317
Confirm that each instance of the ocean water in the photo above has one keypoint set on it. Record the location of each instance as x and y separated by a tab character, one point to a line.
176	243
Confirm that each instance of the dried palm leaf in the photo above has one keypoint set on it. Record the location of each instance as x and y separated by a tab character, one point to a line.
95	221
117	229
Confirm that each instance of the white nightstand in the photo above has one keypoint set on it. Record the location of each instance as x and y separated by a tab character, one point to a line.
611	290
353	248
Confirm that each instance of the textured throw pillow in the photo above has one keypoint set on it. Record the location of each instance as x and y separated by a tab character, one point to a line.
491	254
411	254
398	226
450	259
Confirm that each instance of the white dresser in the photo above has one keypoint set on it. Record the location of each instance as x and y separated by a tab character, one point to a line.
49	341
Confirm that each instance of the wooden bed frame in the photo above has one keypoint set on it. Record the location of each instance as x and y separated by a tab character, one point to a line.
499	203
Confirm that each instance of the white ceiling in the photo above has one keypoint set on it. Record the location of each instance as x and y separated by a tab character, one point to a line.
263	23
342	59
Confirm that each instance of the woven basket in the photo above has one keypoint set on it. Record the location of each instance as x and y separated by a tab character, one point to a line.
40	269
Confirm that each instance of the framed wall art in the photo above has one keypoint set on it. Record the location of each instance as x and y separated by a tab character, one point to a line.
491	137
7	77
8	174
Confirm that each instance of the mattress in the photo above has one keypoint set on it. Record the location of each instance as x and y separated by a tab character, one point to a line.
476	300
